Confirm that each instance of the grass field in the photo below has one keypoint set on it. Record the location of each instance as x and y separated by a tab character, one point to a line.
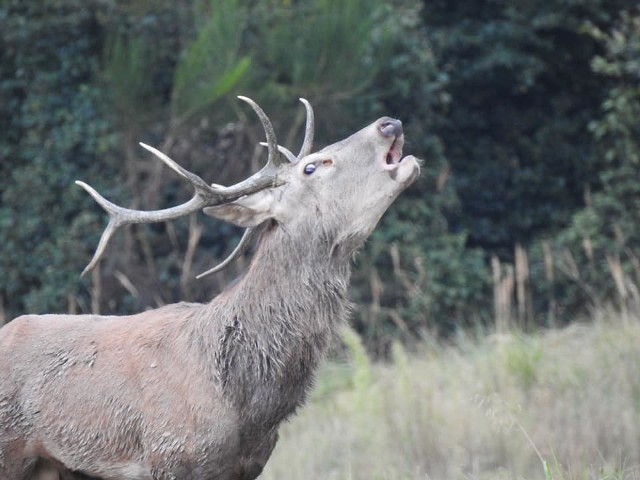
562	404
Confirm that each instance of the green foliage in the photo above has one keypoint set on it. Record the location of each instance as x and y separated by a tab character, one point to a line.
615	208
522	96
525	117
212	65
319	49
604	235
128	76
51	136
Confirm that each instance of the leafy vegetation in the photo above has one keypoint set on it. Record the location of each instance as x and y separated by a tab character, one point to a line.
53	133
525	118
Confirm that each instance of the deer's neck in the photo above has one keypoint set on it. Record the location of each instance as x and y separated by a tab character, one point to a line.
277	322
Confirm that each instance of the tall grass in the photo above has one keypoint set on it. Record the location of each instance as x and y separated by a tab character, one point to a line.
563	404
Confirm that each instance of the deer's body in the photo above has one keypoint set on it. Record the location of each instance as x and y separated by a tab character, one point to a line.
187	391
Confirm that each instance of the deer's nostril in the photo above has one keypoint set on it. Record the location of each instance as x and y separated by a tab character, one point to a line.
391	128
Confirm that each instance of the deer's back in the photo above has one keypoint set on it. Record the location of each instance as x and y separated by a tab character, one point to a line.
115	397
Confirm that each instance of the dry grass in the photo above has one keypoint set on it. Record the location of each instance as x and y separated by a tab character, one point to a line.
561	405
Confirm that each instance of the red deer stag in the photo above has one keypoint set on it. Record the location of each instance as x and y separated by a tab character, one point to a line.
197	391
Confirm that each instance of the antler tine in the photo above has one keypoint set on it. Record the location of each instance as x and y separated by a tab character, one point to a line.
268	175
194	179
307	144
216	194
119	216
284	151
272	142
247	238
112	226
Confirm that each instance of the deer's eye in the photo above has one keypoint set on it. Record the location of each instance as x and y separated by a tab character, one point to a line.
309	169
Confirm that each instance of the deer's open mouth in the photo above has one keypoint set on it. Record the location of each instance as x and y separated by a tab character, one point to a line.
394	155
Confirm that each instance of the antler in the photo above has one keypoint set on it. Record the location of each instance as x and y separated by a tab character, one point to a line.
205	195
249	235
252	233
307	143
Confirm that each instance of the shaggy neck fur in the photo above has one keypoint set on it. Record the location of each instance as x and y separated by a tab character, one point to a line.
266	335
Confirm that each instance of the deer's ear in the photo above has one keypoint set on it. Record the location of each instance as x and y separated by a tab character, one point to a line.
248	211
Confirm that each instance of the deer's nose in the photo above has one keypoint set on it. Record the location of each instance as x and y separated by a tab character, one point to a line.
391	128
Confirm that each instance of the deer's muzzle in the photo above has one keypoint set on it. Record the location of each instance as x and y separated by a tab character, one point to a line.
391	128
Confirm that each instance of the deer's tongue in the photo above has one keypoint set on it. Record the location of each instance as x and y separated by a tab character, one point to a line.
394	155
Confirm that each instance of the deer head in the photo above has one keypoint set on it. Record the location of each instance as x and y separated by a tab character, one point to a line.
344	188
